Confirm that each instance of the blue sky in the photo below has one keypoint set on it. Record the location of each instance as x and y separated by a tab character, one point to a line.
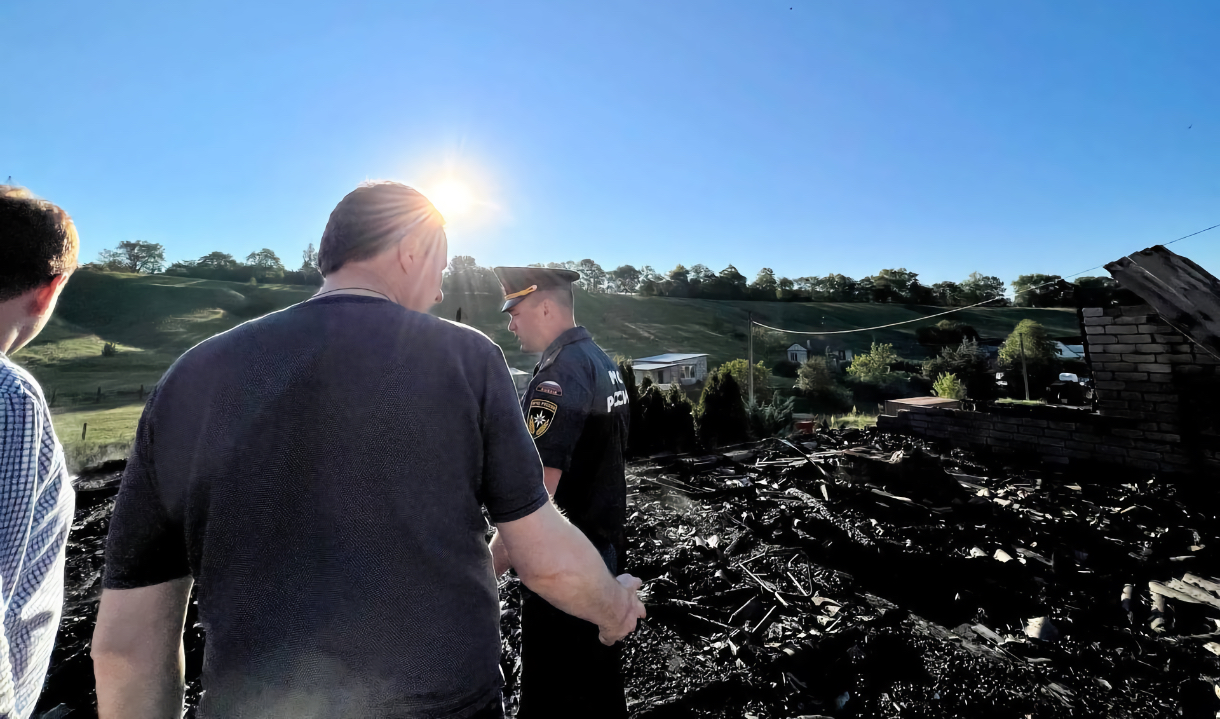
943	137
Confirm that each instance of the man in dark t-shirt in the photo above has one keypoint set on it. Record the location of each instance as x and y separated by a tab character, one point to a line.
577	412
319	473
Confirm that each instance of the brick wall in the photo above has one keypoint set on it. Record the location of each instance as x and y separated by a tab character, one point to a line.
1157	404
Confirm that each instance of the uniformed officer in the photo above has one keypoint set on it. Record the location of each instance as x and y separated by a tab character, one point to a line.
576	409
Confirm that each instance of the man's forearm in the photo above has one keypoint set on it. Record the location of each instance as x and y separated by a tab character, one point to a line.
139	687
138	658
568	572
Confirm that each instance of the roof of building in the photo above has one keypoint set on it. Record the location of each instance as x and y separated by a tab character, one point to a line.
649	366
668	358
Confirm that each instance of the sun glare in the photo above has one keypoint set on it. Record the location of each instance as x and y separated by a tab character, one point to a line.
451	197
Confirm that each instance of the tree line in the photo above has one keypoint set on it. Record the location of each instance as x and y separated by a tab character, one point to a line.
464	273
889	285
259	266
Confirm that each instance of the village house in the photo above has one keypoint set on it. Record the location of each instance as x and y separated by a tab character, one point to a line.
685	369
800	352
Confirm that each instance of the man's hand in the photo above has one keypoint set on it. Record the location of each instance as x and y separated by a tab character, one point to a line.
633	611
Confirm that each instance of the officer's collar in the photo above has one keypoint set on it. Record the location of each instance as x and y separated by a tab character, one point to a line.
575	334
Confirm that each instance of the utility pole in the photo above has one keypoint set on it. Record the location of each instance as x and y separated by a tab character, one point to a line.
1024	370
750	355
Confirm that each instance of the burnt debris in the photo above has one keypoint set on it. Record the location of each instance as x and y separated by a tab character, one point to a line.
861	573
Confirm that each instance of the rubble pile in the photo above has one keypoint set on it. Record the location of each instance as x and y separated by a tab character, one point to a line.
859	573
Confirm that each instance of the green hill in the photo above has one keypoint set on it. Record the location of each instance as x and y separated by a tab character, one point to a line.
152	319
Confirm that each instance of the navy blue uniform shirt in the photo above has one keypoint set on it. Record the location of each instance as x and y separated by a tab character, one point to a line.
576	409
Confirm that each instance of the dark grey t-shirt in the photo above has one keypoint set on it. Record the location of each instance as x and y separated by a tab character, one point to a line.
319	472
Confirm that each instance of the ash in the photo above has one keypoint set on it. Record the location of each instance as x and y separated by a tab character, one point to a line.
855	573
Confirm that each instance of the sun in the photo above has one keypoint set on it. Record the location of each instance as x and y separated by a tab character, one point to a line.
452	197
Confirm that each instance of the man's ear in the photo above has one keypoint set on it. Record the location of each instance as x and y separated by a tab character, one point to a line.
44	295
406	256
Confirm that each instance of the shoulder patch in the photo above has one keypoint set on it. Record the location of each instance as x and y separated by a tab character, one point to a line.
541	415
551	388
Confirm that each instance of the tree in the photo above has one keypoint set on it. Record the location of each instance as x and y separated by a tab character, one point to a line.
218	260
465	276
1039	290
764	285
814	376
592	276
762	379
786	288
946	293
679	274
636	428
729	283
977	288
264	259
720	416
309	259
652	419
839	288
1041	359
626	277
874	366
866	290
679	430
1029	338
134	256
920	294
893	285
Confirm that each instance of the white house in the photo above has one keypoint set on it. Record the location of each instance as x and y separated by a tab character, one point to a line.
665	369
799	353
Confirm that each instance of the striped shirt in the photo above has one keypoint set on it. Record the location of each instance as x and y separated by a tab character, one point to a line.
36	504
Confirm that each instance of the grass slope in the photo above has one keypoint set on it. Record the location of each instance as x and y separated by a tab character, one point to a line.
643	326
154	318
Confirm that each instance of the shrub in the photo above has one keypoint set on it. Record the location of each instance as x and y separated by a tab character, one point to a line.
819	383
875	366
785	368
946	332
949	386
720	416
969	364
769	420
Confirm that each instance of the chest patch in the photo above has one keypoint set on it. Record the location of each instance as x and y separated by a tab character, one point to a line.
551	388
540	416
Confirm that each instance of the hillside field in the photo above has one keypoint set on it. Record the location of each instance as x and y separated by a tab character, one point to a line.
152	319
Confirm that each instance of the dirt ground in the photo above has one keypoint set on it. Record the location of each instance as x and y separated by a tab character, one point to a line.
852	573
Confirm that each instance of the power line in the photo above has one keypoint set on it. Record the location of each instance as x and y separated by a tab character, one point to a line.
956	309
